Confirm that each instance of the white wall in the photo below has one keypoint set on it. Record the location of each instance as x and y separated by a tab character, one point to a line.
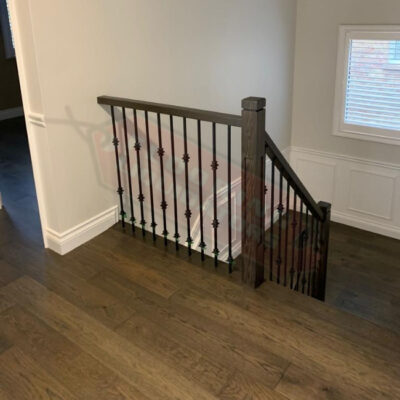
206	54
360	178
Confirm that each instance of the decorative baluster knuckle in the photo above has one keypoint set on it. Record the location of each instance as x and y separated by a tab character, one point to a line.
188	213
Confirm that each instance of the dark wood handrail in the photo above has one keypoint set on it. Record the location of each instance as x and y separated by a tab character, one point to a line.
287	171
192	113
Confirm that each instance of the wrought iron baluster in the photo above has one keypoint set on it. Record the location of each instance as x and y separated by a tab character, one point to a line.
188	212
287	231
137	147
304	262
214	166
230	257
120	190
128	167
176	235
280	211
311	255
202	244
316	252
164	205
271	241
301	244
153	223
294	225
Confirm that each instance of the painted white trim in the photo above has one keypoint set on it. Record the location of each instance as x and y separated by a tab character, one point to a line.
365	224
11	113
64	242
340	128
344	157
36	119
385	223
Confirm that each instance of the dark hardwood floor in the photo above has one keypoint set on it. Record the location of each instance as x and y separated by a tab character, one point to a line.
122	318
364	275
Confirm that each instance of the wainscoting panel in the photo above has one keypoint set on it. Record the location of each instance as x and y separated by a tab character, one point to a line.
364	194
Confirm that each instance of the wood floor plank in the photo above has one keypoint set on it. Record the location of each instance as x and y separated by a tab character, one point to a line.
8	273
154	378
297	341
187	361
5	303
201	333
24	379
299	384
82	374
94	301
243	387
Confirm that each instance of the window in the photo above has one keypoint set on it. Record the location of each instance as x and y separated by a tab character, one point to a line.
395	52
6	30
367	104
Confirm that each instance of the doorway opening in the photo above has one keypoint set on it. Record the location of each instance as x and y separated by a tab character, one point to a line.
19	213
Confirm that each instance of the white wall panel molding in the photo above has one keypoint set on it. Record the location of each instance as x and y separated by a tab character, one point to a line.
364	193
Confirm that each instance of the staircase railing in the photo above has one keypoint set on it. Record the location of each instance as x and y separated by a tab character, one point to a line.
296	243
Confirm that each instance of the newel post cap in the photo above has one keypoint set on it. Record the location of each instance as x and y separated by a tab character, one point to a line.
254	103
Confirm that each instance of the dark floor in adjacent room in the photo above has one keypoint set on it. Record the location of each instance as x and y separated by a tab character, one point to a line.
16	183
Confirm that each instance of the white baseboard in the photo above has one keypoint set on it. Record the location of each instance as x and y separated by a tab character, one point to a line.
366	225
63	243
364	193
11	113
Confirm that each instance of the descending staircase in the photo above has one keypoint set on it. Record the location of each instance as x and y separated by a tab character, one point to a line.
282	233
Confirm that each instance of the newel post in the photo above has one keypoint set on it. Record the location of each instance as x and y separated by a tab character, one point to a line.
253	196
324	248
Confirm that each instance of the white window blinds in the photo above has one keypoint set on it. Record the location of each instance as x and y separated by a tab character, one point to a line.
372	97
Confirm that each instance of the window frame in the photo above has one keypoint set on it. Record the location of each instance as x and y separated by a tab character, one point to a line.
6	30
340	127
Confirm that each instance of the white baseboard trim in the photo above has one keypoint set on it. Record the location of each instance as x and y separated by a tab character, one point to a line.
63	243
11	113
366	225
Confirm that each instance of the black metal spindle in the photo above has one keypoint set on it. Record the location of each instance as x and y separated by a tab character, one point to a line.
230	258
311	255
176	235
120	190
315	263
294	225
164	205
272	209
214	166
304	262
301	245
128	167
287	231
280	211
153	223
202	244
188	212
137	147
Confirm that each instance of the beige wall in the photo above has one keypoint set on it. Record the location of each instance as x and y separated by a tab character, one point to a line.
207	54
315	72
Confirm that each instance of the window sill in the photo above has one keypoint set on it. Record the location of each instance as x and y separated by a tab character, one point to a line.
370	137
